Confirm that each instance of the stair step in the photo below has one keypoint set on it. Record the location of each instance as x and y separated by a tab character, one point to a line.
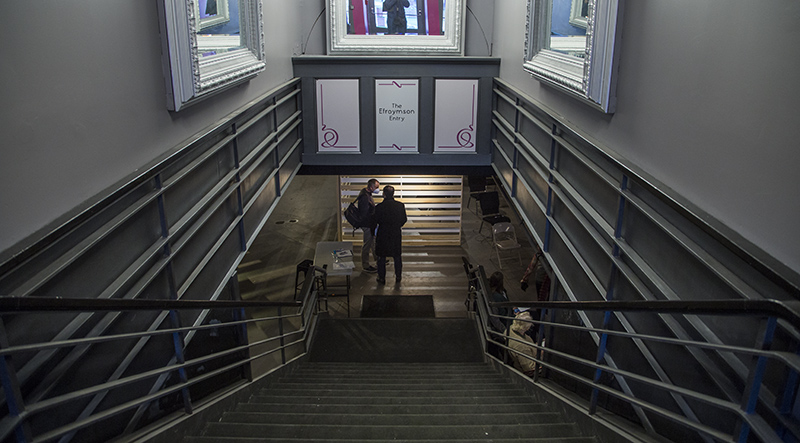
219	439
420	400
389	393
379	402
374	419
346	381
359	366
430	432
408	373
425	408
377	385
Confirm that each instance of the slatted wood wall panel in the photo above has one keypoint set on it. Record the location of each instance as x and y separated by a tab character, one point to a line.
433	204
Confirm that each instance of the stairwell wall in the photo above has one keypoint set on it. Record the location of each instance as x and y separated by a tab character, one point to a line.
84	104
705	105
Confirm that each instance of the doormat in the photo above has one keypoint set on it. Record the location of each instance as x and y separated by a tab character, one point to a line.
394	306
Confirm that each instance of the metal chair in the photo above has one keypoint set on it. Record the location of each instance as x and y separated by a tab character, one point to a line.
504	238
302	268
477	188
490	208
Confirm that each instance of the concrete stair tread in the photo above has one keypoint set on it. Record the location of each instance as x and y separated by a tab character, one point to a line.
508	408
325	440
370	431
306	440
423	400
399	371
378	402
439	419
393	388
452	396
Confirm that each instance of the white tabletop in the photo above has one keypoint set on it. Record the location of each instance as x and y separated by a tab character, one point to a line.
324	255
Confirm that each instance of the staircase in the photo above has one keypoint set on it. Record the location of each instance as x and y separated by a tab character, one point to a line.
328	398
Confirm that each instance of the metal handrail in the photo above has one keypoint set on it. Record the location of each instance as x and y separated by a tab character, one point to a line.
785	310
10	304
305	309
754	413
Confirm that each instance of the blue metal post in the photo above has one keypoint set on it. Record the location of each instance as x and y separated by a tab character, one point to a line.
239	199
750	400
8	378
788	398
177	342
550	179
603	346
280	331
14	400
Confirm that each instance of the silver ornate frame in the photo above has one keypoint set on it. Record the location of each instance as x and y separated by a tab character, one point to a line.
342	43
592	78
189	77
223	15
575	17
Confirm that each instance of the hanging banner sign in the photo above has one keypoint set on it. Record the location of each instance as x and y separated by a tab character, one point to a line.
397	116
455	116
337	115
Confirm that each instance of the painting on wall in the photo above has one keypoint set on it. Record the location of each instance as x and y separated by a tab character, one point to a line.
337	115
455	116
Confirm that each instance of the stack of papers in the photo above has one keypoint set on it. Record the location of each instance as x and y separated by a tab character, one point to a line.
342	253
343	265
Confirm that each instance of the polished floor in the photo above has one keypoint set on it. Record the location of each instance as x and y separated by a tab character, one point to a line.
308	213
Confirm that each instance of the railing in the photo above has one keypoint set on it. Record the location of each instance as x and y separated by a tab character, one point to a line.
176	229
764	410
287	328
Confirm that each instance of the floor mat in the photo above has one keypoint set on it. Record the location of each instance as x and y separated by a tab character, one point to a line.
397	306
397	340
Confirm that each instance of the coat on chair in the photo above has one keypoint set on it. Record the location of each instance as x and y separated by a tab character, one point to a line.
390	216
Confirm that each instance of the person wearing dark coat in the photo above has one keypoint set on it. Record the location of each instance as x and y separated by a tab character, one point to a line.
396	16
390	216
366	208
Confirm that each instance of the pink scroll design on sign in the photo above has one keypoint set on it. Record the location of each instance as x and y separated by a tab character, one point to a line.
399	85
399	148
330	138
464	136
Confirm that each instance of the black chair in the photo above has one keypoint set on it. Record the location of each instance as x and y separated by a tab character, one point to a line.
303	268
490	207
468	271
472	284
477	187
320	280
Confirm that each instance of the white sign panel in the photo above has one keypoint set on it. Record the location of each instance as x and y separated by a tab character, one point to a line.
456	111
337	115
396	115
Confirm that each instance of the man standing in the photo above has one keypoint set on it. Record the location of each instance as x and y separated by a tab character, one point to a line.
390	216
396	16
366	207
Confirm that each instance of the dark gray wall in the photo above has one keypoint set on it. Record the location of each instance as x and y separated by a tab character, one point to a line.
367	70
706	103
83	99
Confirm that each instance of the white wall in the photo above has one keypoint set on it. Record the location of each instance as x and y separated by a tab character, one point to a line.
707	103
82	99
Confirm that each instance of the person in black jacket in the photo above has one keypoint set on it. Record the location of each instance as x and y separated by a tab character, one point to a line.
396	16
390	216
366	208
